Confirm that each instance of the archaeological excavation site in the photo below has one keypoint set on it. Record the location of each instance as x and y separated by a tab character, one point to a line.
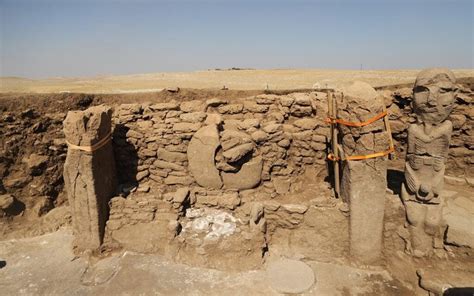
326	191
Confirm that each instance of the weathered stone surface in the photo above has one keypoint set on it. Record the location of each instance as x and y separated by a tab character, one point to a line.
6	201
186	127
236	153
254	107
459	217
170	156
427	150
193	117
36	164
178	180
201	157
290	276
89	177
259	136
215	102
181	194
247	177
231	108
164	106
306	123
193	106
364	182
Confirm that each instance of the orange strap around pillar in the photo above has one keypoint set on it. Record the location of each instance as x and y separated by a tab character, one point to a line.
94	147
362	157
356	124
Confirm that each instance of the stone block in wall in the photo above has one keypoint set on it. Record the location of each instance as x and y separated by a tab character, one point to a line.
193	117
164	106
251	106
230	108
193	106
186	127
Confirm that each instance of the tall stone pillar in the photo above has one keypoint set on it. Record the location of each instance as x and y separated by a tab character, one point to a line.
364	181
89	173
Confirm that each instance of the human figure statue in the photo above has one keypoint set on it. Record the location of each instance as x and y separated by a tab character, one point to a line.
428	144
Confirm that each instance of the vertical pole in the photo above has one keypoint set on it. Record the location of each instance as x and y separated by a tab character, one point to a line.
389	130
335	148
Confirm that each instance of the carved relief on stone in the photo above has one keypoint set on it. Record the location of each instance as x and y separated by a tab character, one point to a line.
228	159
428	145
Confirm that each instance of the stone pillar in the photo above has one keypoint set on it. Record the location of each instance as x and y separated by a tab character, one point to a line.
364	182
89	176
428	145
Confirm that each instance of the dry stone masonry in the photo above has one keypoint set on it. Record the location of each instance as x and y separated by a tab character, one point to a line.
208	181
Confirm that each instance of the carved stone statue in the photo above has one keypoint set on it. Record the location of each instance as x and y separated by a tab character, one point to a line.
428	144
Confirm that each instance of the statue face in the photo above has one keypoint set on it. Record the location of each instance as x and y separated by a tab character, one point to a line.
434	102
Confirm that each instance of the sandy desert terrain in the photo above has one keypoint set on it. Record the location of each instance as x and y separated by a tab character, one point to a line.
214	79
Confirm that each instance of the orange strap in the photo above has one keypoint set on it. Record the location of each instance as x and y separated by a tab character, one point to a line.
362	157
94	147
356	124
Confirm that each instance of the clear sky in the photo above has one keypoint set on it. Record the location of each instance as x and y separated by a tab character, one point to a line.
86	38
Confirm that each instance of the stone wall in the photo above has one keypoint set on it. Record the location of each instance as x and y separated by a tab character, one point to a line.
239	145
281	134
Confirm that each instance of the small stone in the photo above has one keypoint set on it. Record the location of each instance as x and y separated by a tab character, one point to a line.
255	108
272	128
193	117
213	118
177	180
231	108
142	175
36	164
259	136
215	102
6	201
238	152
164	106
186	127
295	208
306	123
193	106
181	194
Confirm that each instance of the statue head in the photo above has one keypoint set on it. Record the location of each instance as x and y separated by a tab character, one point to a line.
433	95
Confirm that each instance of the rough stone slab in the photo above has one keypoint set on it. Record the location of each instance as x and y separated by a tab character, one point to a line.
290	276
201	157
459	216
247	177
89	177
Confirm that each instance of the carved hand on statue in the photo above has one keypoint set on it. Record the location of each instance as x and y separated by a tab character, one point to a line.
424	192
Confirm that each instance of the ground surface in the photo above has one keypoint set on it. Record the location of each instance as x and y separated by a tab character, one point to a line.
30	269
213	79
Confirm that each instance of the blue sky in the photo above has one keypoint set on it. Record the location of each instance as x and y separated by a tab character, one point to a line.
86	38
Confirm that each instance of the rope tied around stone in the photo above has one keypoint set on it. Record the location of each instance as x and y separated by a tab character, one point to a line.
356	124
101	143
336	121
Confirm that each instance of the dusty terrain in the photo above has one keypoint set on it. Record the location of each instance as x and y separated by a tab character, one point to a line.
33	126
214	79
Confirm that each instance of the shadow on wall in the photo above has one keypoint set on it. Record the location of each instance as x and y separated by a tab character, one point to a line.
395	179
126	157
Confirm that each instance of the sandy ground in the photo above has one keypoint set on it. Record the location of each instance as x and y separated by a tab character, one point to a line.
213	79
45	265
